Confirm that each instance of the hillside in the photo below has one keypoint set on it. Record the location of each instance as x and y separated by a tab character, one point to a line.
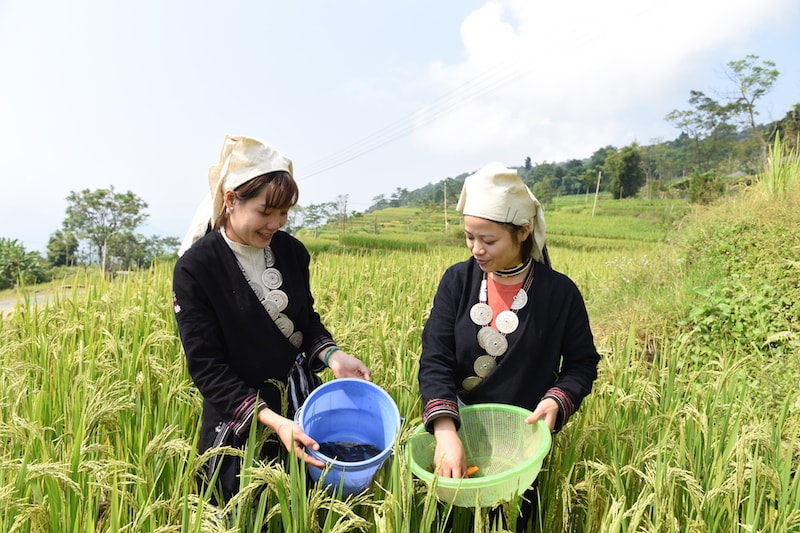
573	222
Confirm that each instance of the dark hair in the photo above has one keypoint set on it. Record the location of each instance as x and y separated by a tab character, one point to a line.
279	189
526	247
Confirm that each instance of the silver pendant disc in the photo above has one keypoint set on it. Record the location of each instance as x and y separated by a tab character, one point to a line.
284	324
507	322
471	382
520	300
296	339
279	298
484	365
272	308
481	314
258	290
483	333
269	257
496	344
272	278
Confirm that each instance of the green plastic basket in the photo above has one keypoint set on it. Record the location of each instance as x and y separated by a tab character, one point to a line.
496	438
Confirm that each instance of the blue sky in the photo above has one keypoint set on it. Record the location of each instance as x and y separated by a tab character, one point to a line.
364	96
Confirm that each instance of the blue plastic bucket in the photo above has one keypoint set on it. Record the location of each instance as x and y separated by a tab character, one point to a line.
349	410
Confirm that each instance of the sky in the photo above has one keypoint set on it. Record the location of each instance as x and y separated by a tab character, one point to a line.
364	96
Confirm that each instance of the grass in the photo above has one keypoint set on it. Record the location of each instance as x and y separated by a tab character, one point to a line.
693	425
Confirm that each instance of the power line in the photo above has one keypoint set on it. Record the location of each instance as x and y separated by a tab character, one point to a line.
484	83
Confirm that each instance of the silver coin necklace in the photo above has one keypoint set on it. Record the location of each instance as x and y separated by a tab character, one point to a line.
493	338
275	300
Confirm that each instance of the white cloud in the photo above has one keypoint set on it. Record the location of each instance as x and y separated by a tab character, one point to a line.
559	78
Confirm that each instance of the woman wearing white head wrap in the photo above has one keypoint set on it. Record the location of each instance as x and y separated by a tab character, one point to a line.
504	326
498	194
240	160
244	308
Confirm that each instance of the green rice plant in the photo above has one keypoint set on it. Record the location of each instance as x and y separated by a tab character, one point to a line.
99	419
660	447
382	242
620	227
782	170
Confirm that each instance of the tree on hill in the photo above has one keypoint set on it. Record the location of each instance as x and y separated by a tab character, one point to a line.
19	265
62	248
753	79
598	158
626	170
788	128
129	250
399	198
339	210
316	215
571	182
712	124
708	123
379	202
103	214
544	191
545	181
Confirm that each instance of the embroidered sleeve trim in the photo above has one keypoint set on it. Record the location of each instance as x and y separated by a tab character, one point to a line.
565	406
437	408
243	415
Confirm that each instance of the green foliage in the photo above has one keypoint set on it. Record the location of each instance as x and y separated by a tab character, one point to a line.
782	174
705	187
708	125
128	251
107	221
738	319
740	292
753	78
62	248
626	169
102	215
788	128
18	265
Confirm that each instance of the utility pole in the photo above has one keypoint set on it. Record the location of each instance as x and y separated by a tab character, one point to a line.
596	191
445	206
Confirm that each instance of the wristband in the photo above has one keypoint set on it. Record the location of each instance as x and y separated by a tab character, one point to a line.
328	354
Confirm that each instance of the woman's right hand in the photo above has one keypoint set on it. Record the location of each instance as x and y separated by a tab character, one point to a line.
294	439
449	457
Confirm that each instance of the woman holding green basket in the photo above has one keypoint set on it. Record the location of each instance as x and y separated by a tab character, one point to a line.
504	327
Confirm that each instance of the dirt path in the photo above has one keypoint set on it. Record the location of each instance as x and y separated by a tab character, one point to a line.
7	305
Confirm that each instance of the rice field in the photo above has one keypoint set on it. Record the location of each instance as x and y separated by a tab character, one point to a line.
98	418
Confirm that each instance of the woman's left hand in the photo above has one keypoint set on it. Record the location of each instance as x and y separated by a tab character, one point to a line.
547	410
345	365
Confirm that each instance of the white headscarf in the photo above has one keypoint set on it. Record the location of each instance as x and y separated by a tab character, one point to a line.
498	194
241	159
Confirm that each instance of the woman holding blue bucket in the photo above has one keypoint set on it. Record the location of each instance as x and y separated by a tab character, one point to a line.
245	311
504	326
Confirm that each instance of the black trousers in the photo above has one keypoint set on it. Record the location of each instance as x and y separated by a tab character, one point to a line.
226	467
